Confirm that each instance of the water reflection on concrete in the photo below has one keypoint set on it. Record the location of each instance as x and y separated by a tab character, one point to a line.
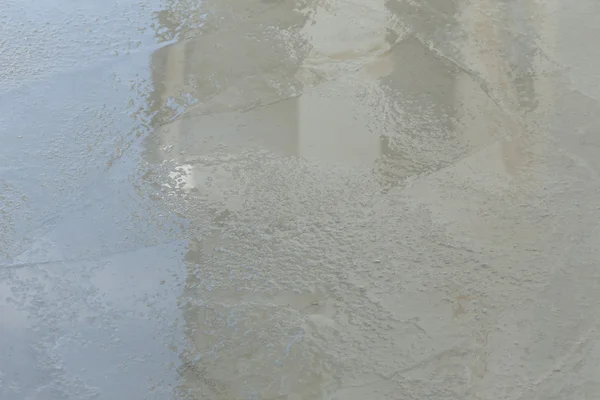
307	200
308	283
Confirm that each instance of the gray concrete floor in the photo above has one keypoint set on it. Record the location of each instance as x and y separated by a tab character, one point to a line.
300	199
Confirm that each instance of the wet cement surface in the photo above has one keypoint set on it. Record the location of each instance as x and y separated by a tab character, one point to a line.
284	199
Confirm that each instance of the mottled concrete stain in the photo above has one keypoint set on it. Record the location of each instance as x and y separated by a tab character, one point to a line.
299	199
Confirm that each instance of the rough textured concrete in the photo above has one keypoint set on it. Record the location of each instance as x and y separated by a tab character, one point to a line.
300	199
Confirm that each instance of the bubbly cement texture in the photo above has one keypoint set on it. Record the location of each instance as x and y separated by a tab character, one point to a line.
300	199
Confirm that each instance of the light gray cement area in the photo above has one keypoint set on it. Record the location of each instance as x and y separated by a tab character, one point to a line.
300	200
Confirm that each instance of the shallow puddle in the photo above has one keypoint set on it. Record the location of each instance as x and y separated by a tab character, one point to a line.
300	199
